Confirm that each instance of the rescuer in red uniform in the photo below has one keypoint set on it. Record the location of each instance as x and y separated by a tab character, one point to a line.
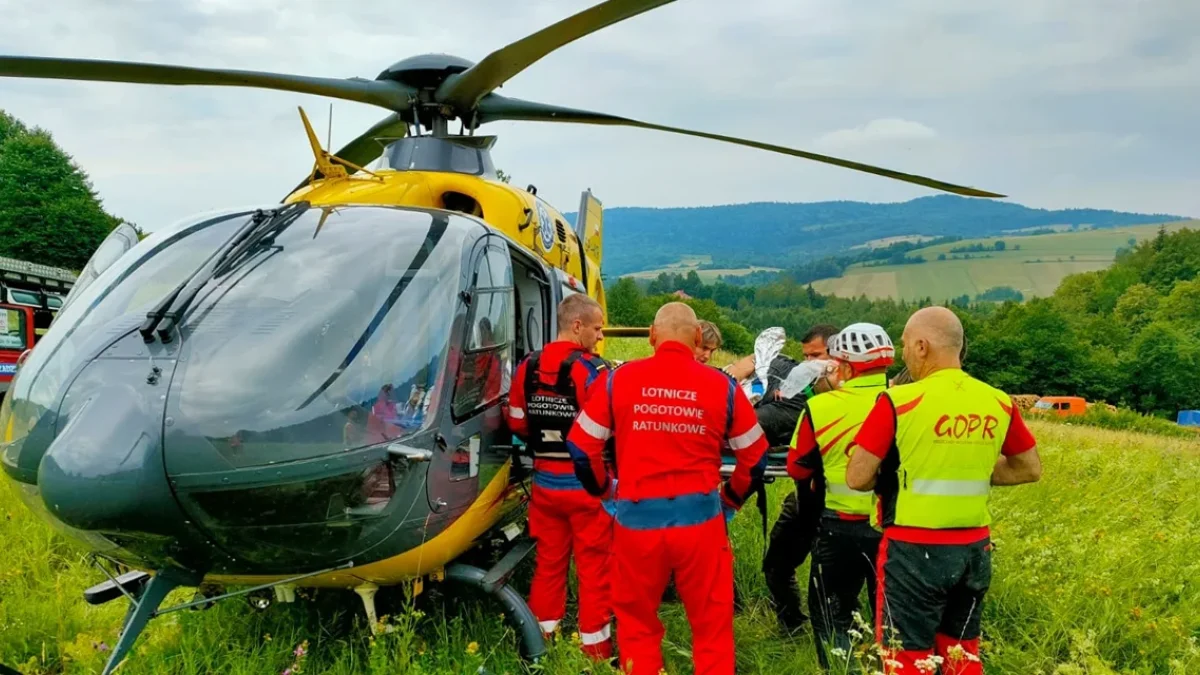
670	417
547	392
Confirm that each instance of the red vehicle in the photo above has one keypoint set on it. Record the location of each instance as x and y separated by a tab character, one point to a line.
16	337
30	297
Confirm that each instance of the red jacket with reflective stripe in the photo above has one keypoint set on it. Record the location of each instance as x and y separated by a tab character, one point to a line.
584	377
670	416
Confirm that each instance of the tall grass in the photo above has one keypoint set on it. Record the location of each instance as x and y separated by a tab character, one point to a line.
1097	572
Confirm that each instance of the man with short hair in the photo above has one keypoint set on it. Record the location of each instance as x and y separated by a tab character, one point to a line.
843	560
814	342
670	417
548	391
932	450
795	530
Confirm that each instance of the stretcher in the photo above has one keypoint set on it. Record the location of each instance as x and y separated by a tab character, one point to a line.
776	464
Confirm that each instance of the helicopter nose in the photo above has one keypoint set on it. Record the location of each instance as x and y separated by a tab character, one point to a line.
104	471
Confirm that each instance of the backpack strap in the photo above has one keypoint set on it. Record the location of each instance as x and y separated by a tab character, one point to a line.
565	385
531	372
610	446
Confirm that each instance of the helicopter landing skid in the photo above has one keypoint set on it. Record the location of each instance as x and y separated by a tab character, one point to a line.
143	606
146	594
533	645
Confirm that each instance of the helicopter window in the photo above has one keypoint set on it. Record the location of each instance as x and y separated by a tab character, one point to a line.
529	306
487	359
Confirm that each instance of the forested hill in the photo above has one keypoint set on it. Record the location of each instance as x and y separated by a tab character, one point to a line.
784	235
1128	334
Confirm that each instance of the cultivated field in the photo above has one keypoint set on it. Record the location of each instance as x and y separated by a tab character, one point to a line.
1035	269
1096	573
888	241
690	263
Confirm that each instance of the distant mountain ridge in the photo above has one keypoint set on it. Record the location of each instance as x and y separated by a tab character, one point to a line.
781	234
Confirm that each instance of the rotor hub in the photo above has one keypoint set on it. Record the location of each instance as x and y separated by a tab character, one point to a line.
425	71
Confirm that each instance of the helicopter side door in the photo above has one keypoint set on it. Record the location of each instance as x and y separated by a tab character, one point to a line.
476	446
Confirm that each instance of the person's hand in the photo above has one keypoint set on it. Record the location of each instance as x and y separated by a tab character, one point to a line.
610	503
829	379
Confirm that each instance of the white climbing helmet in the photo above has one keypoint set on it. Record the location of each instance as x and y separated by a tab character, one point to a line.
865	345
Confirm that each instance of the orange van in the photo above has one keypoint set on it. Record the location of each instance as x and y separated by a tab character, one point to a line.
1063	406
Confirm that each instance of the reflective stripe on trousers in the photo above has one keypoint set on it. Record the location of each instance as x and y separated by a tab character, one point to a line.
602	635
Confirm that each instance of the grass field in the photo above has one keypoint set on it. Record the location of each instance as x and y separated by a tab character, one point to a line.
1035	270
1096	573
691	263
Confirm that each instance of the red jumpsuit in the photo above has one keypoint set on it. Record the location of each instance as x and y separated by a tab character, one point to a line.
563	518
670	416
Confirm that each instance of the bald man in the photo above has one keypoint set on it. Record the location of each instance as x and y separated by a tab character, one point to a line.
670	416
933	449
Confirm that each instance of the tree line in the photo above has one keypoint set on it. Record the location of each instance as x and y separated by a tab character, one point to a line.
1128	335
49	213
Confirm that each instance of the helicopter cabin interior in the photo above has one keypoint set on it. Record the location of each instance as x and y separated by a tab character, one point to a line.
531	291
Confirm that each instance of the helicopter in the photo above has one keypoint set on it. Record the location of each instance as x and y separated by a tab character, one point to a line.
308	393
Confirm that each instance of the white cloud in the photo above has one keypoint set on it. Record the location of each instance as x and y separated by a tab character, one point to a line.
1018	91
886	130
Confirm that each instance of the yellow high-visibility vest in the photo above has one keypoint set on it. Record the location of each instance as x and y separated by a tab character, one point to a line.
836	416
950	428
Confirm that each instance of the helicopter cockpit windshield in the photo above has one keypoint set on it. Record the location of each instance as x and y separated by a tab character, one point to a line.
334	339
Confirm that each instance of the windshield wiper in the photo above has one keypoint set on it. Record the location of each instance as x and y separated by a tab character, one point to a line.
257	234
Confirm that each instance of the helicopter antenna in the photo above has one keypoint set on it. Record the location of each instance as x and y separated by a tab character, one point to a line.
329	134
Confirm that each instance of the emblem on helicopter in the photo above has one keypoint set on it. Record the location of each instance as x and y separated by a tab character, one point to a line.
545	227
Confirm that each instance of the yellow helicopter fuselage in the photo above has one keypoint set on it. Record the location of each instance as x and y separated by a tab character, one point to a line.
518	214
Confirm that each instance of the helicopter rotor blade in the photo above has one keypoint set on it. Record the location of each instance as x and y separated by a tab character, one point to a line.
365	149
495	108
465	89
386	94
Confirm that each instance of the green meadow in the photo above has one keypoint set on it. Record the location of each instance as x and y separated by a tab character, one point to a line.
1035	269
1096	573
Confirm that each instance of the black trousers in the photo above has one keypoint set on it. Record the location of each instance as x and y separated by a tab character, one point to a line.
843	563
791	540
932	590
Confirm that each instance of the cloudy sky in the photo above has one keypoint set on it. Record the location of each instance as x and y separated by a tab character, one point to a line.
1056	103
